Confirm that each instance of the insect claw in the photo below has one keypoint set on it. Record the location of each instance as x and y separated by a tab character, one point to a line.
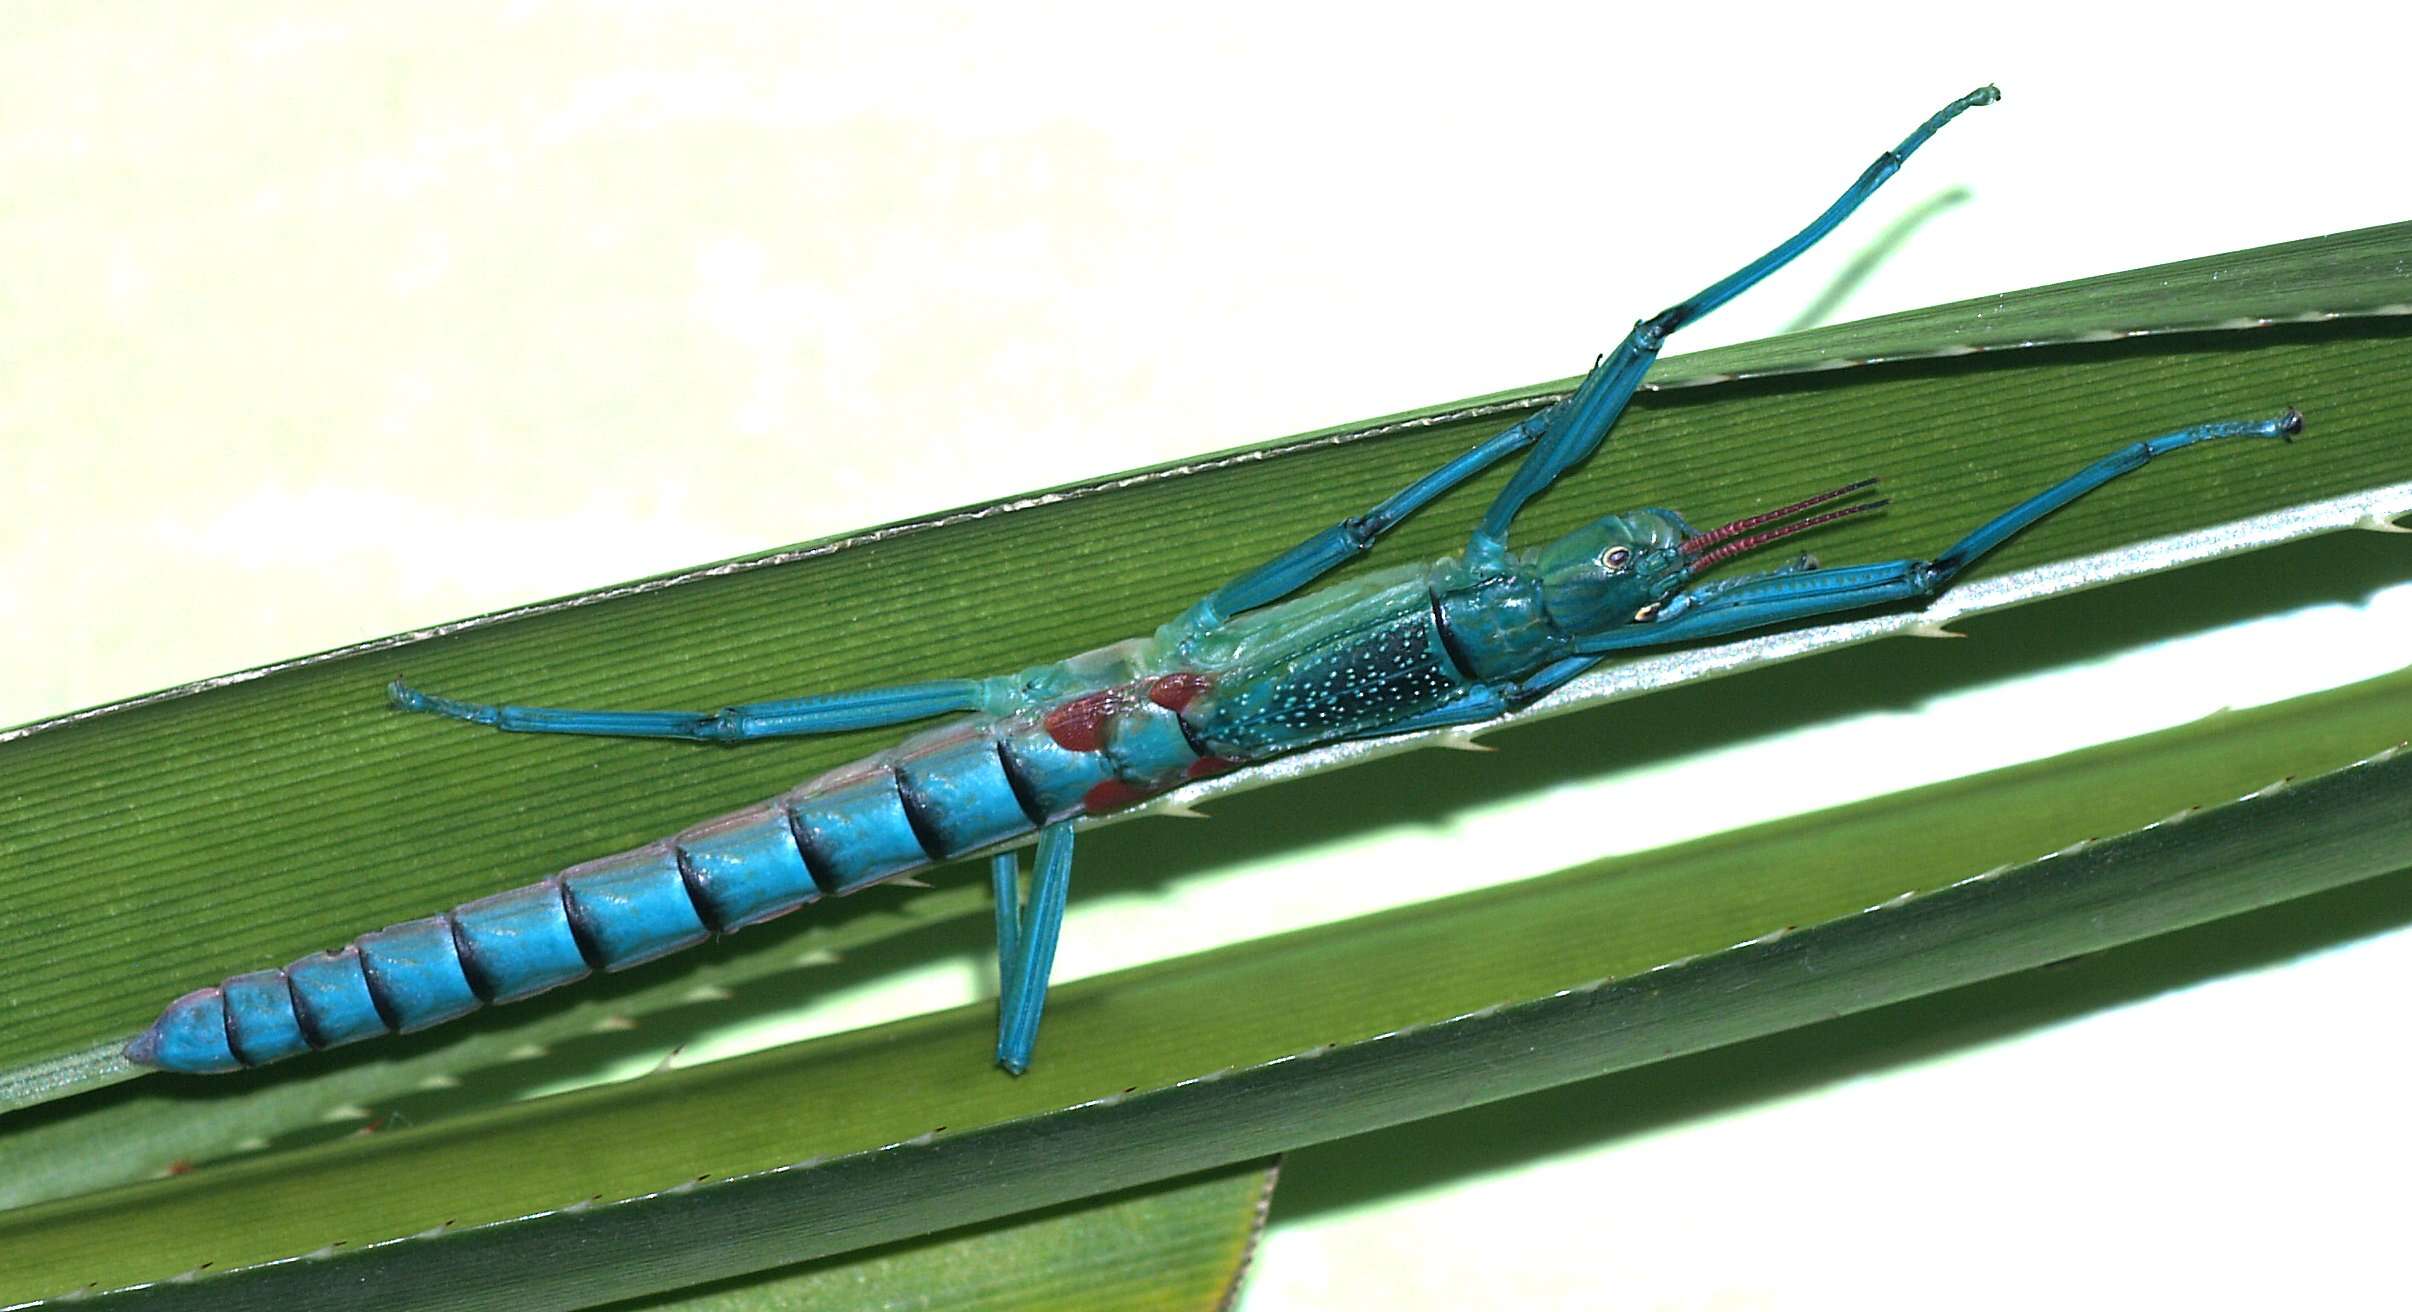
1182	810
1934	631
2378	523
1462	742
907	881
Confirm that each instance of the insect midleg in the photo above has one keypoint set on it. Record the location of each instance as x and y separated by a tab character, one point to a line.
1353	537
1584	419
866	708
1792	595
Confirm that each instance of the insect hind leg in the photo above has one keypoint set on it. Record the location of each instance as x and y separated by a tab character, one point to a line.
1026	937
866	708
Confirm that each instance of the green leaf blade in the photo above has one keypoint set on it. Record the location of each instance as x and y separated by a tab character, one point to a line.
177	841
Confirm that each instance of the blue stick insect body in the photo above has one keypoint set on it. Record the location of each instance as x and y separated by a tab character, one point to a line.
1253	671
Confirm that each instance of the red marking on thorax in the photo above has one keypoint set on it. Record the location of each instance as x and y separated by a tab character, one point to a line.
1079	724
1112	795
1174	691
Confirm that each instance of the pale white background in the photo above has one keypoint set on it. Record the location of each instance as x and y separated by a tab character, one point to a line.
326	321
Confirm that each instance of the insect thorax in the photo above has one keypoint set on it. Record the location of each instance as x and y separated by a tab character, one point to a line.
1494	625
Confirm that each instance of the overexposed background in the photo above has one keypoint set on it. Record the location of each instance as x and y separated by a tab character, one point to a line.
326	321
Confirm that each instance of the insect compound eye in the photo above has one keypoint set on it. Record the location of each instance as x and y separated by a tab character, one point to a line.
1616	558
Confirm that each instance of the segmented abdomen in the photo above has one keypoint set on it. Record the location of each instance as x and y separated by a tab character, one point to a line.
942	794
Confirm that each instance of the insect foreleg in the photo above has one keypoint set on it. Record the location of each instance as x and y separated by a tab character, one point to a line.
1026	935
867	708
1594	408
1792	595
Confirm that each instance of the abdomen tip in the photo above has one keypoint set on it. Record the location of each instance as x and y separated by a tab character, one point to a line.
190	1036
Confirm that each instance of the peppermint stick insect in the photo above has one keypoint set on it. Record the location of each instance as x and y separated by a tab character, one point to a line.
1252	671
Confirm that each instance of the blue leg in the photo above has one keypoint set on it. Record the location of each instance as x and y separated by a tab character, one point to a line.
1005	881
1774	599
1351	538
1026	941
1584	419
1483	702
868	708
